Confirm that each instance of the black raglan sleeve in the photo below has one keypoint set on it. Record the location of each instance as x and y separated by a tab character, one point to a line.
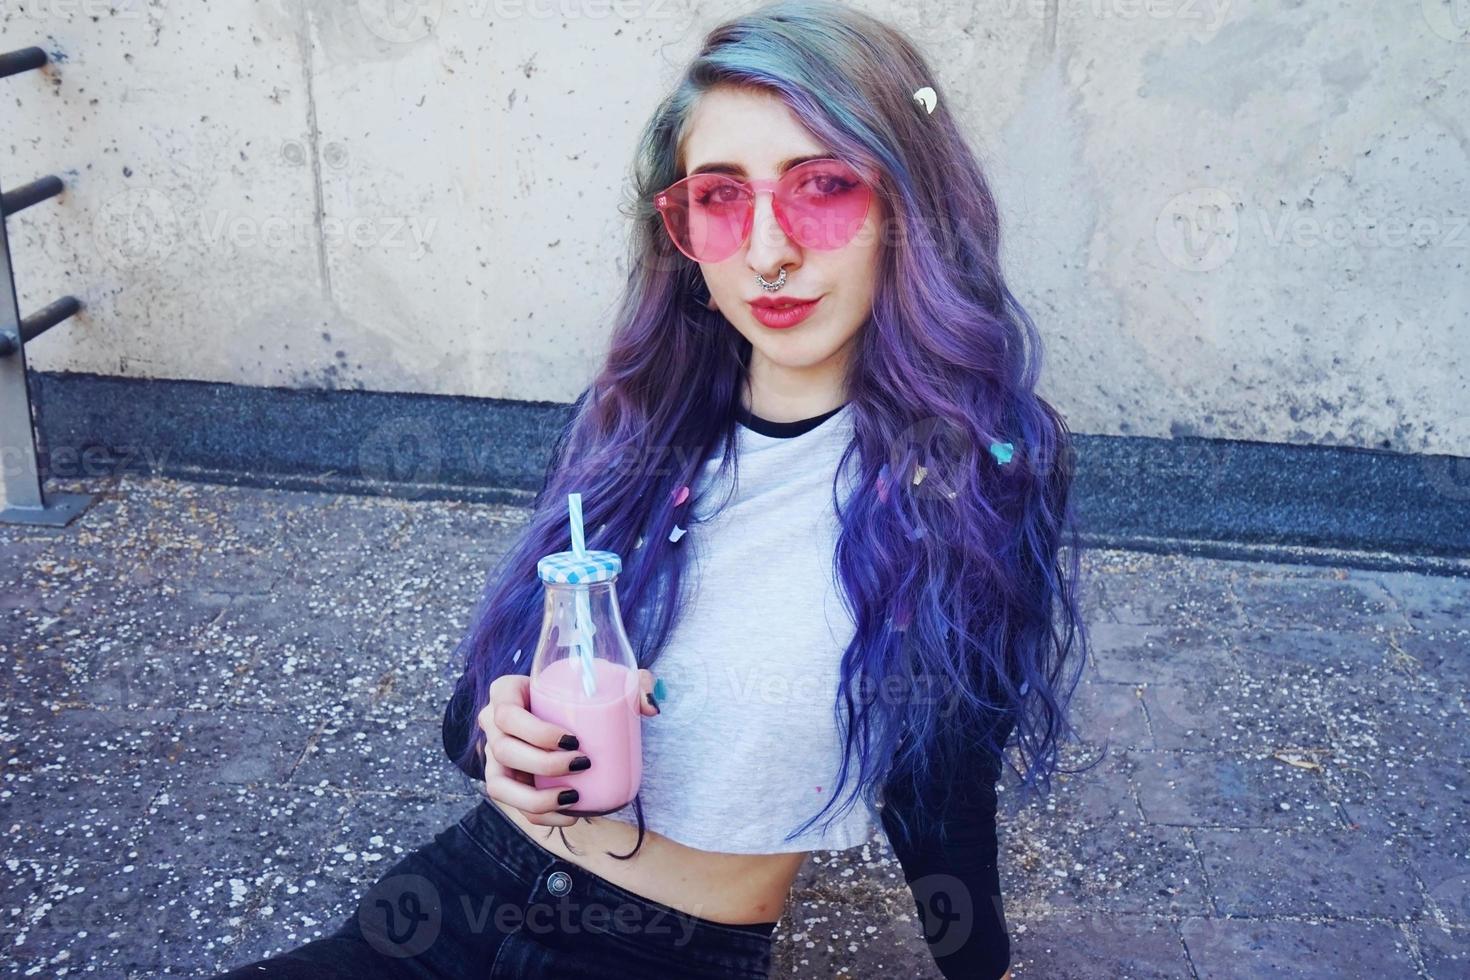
459	725
955	877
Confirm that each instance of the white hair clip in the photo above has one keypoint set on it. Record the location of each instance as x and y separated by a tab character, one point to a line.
927	98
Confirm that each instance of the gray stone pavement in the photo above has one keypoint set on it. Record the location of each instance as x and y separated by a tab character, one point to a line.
220	722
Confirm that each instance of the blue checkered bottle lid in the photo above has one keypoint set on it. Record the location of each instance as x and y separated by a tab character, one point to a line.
570	568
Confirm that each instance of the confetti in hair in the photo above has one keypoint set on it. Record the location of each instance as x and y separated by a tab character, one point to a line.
993	592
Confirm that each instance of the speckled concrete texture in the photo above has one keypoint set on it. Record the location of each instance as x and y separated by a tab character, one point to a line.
220	723
1237	221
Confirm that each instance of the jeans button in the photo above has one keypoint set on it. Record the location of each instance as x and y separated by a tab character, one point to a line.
559	883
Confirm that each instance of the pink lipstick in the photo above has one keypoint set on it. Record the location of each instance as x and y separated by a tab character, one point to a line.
787	311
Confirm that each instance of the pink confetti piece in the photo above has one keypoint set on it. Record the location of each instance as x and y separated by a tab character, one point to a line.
681	495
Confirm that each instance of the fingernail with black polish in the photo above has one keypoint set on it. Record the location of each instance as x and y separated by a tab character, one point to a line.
579	763
569	741
566	796
653	701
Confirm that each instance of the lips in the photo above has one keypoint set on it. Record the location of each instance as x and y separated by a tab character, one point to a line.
787	311
777	302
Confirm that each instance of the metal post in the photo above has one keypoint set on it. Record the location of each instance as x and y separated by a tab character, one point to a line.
20	479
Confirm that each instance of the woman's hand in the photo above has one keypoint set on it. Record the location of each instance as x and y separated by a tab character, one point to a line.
519	745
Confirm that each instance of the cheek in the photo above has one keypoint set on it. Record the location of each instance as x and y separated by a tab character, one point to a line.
860	261
725	279
859	276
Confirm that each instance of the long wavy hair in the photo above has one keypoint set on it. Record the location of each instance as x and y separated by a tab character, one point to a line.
958	583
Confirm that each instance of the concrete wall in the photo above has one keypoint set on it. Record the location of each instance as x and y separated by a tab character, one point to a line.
1229	220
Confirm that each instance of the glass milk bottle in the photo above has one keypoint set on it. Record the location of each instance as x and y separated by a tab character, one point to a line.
584	679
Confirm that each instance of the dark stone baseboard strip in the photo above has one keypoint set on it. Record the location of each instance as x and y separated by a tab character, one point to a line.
1321	505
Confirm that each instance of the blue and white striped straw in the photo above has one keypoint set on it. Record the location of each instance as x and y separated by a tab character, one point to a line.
579	540
583	615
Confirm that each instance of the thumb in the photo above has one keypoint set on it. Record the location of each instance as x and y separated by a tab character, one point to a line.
647	703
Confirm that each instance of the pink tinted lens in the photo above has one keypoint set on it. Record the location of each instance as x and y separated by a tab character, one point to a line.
707	215
822	204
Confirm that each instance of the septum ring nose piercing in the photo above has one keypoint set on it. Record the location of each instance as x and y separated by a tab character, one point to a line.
771	287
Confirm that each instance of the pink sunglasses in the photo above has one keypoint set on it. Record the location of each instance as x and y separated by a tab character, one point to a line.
820	204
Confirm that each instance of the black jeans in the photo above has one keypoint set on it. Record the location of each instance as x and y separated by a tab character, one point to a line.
483	899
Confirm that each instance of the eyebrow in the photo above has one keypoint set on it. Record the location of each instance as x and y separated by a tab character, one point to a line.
735	168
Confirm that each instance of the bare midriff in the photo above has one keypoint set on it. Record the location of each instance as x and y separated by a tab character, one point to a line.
736	889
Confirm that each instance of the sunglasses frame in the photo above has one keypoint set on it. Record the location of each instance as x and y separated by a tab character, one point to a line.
751	187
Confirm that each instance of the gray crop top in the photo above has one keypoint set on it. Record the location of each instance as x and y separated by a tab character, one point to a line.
748	743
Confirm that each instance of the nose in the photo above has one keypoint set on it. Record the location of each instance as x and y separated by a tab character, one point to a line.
769	249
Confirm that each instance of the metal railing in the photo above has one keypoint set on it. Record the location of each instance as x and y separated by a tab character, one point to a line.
25	501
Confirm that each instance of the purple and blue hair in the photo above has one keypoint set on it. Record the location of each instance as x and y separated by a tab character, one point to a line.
959	582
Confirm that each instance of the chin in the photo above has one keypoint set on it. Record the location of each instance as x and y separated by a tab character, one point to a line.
795	357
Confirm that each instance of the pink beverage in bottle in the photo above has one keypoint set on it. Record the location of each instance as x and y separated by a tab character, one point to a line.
608	730
584	679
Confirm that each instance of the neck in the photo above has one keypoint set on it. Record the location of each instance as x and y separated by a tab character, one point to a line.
783	394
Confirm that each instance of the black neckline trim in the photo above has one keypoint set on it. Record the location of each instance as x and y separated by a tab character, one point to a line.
781	430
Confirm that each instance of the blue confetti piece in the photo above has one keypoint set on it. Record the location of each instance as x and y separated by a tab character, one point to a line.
1002	452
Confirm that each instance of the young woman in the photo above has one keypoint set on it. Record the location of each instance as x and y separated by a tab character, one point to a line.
840	504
